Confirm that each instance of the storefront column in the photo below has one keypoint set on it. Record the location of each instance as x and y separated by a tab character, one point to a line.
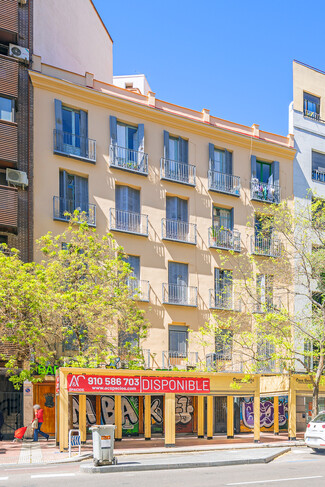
210	417
98	409
276	414
292	422
170	425
82	417
118	417
257	418
63	413
230	417
147	417
200	417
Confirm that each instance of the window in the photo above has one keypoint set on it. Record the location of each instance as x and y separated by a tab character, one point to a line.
311	354
128	208
265	353
311	106
318	166
263	227
178	336
134	262
7	109
223	345
318	212
177	283
173	148
3	241
263	171
176	218
222	218
73	193
3	179
127	136
223	288
128	86
220	160
71	132
264	288
127	146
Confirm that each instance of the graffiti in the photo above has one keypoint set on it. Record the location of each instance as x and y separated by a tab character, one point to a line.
156	410
184	409
266	413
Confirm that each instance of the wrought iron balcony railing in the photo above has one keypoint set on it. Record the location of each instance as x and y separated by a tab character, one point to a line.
266	246
178	172
269	304
318	175
128	159
139	289
224	362
223	238
63	208
313	115
74	145
224	301
178	231
128	222
224	183
269	193
179	359
178	294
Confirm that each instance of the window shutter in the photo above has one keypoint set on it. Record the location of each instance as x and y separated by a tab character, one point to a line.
253	167
63	185
231	219
134	262
140	132
211	157
133	200
113	129
228	159
166	144
121	198
84	133
58	124
276	172
81	198
227	288
217	280
183	150
171	208
182	210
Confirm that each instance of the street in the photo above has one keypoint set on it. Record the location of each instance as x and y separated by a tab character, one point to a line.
300	467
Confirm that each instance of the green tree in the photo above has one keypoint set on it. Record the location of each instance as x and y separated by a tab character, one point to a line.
76	307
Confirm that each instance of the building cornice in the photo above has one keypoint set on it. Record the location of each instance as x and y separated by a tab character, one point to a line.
155	115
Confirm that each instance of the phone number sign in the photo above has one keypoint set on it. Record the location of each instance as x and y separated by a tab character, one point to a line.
137	385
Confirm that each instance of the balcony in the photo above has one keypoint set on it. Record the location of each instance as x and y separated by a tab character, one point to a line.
224	239
317	175
268	193
63	208
269	304
139	289
8	208
128	222
177	172
179	295
223	301
178	231
74	145
312	114
224	183
266	246
224	362
128	160
182	360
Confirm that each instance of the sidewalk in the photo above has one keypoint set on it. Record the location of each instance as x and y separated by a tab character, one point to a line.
27	452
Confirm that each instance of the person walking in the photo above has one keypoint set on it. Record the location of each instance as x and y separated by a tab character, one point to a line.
38	421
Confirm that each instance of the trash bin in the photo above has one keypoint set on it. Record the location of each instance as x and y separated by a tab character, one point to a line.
103	444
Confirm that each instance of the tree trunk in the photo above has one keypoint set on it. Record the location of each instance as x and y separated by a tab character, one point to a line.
315	400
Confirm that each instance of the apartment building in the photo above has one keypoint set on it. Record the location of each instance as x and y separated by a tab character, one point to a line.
171	184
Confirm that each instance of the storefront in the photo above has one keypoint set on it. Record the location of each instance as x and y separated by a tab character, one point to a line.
153	400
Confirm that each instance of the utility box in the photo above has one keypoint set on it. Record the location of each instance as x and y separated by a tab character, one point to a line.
103	444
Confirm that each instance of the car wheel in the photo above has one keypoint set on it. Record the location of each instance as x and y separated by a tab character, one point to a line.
316	450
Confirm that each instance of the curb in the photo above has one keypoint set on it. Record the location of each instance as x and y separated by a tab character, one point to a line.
89	468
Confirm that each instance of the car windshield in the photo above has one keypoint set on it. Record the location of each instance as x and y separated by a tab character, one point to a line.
320	418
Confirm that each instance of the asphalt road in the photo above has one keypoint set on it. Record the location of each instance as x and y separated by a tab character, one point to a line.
300	467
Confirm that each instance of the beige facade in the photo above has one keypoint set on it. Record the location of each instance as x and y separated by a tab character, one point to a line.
101	101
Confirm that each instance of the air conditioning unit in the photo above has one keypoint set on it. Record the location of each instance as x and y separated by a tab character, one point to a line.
19	52
17	178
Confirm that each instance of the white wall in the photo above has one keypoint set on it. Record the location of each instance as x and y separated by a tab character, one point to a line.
70	35
138	80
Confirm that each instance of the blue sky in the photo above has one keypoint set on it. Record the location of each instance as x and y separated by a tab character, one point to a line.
233	57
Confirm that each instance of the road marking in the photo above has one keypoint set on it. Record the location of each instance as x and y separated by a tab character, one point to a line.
51	475
4	478
276	480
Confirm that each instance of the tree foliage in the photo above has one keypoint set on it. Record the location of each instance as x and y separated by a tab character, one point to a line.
76	307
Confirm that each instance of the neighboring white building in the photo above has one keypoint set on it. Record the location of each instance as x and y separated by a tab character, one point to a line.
135	82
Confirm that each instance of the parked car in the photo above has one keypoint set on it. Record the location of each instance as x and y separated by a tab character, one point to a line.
315	433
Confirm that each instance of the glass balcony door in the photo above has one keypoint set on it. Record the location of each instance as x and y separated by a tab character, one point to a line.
71	131
177	283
